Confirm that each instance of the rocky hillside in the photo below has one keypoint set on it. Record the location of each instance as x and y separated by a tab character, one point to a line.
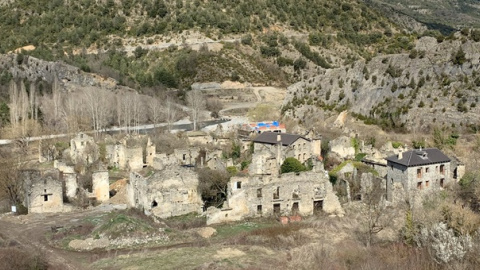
444	15
167	43
435	85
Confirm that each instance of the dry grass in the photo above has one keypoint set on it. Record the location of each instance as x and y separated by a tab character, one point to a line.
186	222
353	255
18	259
276	237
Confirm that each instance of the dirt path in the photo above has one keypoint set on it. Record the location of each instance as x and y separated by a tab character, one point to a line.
29	232
263	94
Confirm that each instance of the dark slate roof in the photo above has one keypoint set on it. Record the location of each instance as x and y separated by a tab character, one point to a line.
419	157
271	138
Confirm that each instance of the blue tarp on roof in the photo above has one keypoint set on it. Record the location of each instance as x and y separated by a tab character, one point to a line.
262	124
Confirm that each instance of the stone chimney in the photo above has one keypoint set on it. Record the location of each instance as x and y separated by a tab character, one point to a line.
279	138
400	155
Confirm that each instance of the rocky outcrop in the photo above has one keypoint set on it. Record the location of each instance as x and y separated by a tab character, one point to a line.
35	70
437	81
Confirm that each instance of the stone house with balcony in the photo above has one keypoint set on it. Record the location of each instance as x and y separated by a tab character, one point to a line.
416	172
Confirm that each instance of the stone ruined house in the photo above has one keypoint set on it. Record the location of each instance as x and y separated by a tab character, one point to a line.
198	137
215	161
43	192
271	149
416	172
264	192
69	178
166	193
130	153
289	194
83	149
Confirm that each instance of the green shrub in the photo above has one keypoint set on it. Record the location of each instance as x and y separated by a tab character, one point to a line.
232	170
396	144
292	164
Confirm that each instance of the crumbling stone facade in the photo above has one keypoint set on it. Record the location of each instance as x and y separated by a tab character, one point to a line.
43	191
198	137
100	186
170	192
69	178
290	194
342	148
83	149
128	153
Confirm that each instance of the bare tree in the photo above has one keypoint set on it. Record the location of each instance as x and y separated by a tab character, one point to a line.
138	111
96	101
124	111
155	109
374	212
196	102
170	112
10	186
215	106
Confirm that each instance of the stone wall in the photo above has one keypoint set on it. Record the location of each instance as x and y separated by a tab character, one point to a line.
186	156
290	194
170	192
43	191
116	155
100	186
342	148
150	152
124	158
71	185
83	149
134	158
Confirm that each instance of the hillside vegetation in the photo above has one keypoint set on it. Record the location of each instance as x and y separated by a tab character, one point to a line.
446	16
277	38
438	80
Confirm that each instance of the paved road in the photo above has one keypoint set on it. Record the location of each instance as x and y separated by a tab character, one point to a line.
143	129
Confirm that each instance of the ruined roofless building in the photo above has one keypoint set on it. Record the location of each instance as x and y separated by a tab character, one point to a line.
43	192
415	172
166	193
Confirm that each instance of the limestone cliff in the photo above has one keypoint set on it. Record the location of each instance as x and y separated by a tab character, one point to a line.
36	70
435	84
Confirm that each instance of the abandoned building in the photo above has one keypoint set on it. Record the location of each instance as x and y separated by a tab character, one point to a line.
416	172
264	192
290	194
271	149
169	192
43	192
83	149
130	153
198	137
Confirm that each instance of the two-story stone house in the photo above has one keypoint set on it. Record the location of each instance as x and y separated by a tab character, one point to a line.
415	172
271	149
